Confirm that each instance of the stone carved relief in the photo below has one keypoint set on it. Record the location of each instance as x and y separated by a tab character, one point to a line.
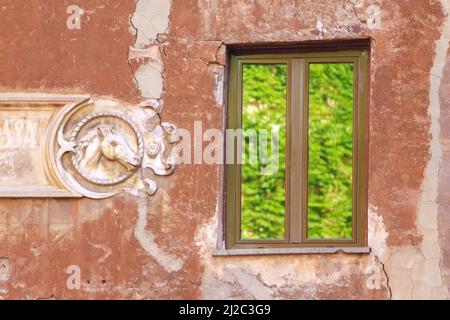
97	148
105	152
24	120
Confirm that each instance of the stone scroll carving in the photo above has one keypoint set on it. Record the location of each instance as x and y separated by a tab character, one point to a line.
97	148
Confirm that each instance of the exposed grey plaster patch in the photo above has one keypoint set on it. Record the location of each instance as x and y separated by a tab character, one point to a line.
251	283
271	278
150	80
218	72
217	67
377	243
377	232
148	23
210	288
428	276
147	239
150	18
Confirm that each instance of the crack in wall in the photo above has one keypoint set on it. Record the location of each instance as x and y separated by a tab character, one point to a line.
353	4
383	268
133	74
134	31
302	277
377	242
150	23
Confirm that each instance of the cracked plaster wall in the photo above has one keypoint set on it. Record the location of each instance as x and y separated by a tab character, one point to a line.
174	52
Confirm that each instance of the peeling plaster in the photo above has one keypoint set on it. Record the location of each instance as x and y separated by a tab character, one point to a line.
377	232
259	277
150	80
218	71
377	236
428	275
150	19
251	282
147	239
415	272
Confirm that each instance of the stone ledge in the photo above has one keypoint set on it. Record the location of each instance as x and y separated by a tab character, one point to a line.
278	251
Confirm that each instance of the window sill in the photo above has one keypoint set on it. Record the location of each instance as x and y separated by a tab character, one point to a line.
285	251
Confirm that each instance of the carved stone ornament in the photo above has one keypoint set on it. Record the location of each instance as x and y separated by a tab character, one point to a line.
97	148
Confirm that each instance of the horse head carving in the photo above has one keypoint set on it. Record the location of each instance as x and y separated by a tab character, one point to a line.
106	142
113	147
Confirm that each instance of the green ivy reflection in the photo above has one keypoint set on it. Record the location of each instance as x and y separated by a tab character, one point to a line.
330	151
263	196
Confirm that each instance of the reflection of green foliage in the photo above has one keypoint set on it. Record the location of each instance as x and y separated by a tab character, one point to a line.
330	151
263	196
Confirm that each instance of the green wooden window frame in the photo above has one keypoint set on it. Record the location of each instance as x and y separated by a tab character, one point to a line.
297	65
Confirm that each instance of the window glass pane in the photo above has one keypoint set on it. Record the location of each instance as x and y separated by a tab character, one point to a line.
263	163
330	150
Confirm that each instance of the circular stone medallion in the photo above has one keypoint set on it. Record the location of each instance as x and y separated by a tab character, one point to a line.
109	148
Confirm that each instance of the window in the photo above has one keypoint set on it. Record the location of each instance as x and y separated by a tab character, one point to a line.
298	148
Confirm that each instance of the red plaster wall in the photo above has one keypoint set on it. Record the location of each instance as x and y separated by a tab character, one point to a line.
41	238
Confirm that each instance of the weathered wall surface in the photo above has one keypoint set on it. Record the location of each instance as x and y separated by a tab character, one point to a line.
160	247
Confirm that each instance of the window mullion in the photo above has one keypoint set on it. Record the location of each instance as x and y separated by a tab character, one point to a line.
296	150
